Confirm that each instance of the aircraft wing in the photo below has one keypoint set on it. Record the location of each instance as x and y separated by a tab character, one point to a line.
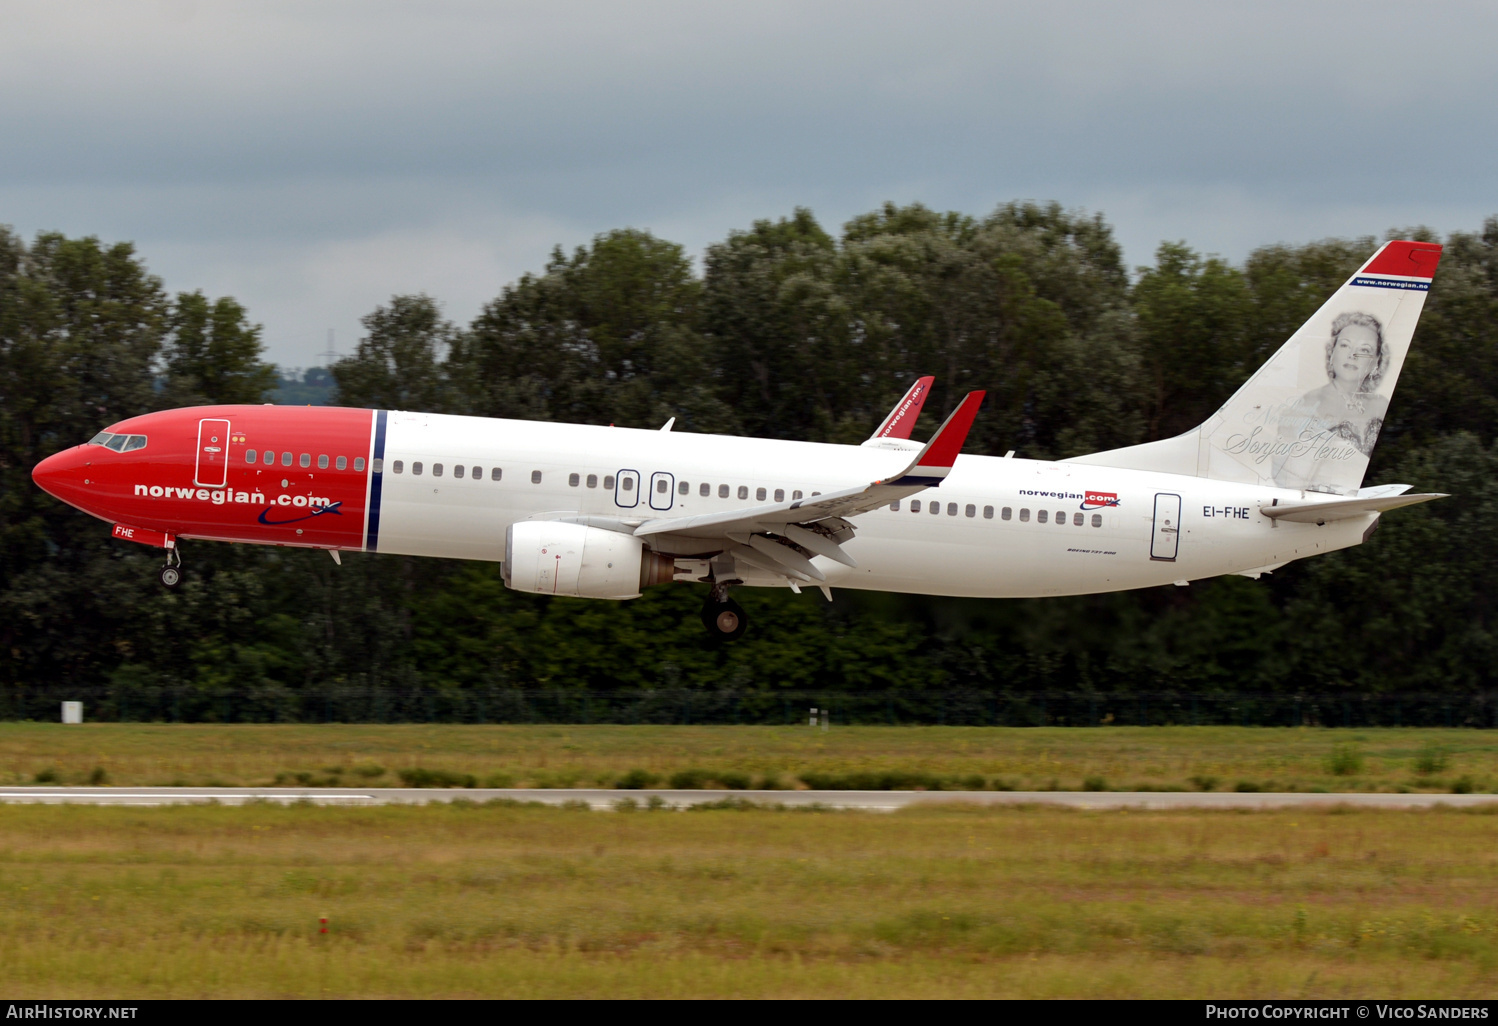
817	525
1342	509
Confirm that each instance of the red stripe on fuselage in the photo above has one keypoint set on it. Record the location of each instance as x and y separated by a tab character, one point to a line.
266	503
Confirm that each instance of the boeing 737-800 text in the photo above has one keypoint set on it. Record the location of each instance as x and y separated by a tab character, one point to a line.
601	512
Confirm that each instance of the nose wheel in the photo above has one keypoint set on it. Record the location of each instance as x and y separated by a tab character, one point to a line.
171	574
725	619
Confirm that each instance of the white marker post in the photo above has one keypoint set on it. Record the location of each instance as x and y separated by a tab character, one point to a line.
813	723
72	712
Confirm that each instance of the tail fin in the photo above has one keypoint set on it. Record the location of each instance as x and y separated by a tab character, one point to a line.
1309	418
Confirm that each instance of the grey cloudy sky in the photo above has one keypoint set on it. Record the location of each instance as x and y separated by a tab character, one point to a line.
313	159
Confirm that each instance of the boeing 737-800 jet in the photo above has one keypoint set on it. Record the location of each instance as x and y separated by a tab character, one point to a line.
601	512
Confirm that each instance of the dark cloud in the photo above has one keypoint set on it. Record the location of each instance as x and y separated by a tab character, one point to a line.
446	146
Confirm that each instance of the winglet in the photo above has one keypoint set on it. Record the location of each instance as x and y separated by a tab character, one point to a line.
935	461
902	418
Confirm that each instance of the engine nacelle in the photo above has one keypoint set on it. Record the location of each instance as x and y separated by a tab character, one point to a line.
553	558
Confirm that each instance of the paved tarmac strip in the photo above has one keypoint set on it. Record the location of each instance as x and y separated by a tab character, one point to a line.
607	799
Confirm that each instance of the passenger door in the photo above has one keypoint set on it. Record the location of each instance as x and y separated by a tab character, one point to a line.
213	454
1166	540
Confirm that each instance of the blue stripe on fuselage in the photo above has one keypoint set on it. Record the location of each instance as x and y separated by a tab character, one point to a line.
376	470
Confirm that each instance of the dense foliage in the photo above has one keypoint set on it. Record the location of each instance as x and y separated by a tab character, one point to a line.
787	332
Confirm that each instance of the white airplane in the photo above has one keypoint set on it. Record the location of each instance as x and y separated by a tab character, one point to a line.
601	512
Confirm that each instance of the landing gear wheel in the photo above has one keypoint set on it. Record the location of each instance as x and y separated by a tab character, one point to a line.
724	620
171	576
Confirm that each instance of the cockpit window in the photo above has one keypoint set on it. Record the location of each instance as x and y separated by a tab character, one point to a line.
119	443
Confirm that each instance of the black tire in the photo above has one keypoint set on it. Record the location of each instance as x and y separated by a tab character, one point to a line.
725	621
171	576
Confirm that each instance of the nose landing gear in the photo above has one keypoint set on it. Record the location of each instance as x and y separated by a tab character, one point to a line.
724	618
171	574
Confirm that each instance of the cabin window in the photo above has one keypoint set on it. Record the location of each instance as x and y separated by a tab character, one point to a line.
1041	516
1005	515
1024	515
416	467
951	509
683	488
628	484
1077	518
662	486
895	506
935	508
573	480
608	481
760	494
1097	520
971	510
1061	517
436	470
915	505
535	477
342	463
796	494
722	491
359	464
458	471
249	455
592	480
322	462
306	459
988	513
399	467
286	459
743	491
780	495
495	473
704	489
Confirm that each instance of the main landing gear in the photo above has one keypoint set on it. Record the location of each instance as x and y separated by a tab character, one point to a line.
171	574
724	618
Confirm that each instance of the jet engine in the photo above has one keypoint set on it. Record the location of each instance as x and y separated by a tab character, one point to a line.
549	557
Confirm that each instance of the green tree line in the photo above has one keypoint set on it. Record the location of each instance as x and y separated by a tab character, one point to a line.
789	331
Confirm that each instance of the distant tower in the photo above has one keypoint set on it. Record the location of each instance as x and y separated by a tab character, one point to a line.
330	355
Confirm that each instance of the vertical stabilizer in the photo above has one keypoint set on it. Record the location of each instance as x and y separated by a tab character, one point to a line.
1309	418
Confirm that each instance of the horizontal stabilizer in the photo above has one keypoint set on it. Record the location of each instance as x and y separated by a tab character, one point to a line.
1342	509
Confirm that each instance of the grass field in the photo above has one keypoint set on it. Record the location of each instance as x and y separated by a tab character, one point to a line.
1113	758
481	900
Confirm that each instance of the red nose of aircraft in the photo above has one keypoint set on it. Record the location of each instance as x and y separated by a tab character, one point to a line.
63	475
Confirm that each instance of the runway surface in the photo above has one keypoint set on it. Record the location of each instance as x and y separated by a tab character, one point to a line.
605	799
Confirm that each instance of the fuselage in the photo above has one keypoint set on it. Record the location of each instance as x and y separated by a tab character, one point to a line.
435	485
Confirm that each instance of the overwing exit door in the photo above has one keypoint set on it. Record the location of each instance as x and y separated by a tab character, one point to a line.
661	485
213	454
627	489
1166	540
